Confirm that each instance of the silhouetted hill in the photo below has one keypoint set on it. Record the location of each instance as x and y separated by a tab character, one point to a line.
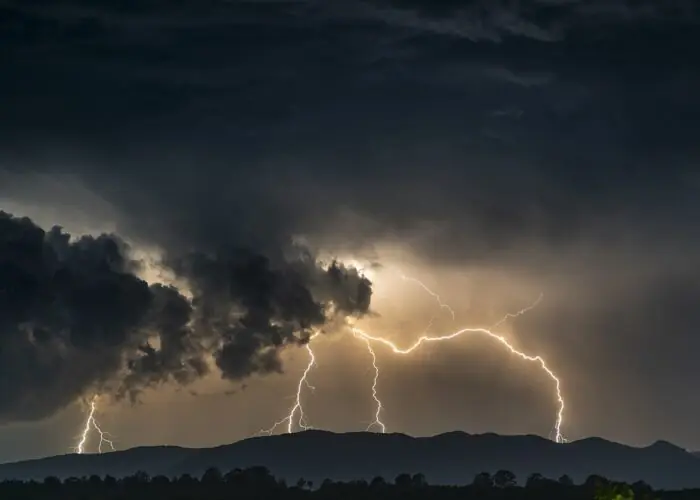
452	458
154	460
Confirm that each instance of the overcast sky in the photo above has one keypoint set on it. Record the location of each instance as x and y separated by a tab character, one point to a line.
495	150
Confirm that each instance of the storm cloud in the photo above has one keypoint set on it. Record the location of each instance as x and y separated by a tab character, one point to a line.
75	317
282	303
69	310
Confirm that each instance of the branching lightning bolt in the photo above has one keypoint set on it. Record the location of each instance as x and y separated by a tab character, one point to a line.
430	292
558	436
91	423
298	407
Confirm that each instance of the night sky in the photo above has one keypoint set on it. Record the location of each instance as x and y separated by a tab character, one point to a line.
206	160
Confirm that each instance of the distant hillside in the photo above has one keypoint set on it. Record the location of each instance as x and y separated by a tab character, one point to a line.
452	458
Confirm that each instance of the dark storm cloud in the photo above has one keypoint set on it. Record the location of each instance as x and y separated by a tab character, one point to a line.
179	355
74	317
553	137
284	115
284	303
345	287
68	311
176	79
540	20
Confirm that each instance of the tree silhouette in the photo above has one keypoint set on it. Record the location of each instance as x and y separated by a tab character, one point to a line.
52	482
212	476
483	480
534	480
377	483
403	481
504	479
613	491
418	481
595	481
565	480
258	483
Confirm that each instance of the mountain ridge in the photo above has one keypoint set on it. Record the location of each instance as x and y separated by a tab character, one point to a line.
447	458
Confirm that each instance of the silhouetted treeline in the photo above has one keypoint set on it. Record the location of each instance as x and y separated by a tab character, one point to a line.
257	483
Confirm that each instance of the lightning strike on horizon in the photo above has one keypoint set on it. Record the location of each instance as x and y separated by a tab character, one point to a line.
297	407
368	339
426	338
558	436
91	422
377	422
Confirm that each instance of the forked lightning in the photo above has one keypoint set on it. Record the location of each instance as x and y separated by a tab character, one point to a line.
298	407
296	415
369	339
558	437
430	292
91	423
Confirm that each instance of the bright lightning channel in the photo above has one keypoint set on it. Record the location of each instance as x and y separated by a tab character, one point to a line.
377	422
297	407
91	423
558	436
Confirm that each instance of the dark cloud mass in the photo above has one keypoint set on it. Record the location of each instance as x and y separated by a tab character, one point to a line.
75	317
68	310
551	141
287	106
282	305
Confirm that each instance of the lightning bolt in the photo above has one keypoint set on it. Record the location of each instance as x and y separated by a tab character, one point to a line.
377	422
430	292
297	407
519	313
91	423
558	436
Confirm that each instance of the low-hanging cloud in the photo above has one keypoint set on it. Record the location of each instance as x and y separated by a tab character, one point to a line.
74	316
